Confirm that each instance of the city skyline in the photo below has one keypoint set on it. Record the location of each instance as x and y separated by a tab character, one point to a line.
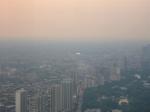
74	55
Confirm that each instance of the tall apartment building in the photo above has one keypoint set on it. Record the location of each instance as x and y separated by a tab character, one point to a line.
39	102
21	101
55	98
67	95
33	103
43	103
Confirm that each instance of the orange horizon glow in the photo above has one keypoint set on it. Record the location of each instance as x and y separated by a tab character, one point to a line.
75	19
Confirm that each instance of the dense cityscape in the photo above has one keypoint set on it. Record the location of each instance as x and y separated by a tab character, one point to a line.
74	79
74	55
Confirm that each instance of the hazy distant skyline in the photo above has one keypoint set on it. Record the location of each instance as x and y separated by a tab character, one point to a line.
104	20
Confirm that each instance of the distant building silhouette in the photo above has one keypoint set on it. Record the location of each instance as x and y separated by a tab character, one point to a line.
146	59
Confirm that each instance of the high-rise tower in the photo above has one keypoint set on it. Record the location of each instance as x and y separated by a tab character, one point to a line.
21	101
55	98
67	94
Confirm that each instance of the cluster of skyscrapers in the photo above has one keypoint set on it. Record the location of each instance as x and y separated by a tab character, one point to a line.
56	98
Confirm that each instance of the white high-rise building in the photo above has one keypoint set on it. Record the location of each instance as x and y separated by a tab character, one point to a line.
21	101
67	95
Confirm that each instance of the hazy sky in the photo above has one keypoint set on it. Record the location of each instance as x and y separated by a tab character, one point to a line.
75	19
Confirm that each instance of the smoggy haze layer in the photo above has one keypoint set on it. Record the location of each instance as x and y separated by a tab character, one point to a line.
75	19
